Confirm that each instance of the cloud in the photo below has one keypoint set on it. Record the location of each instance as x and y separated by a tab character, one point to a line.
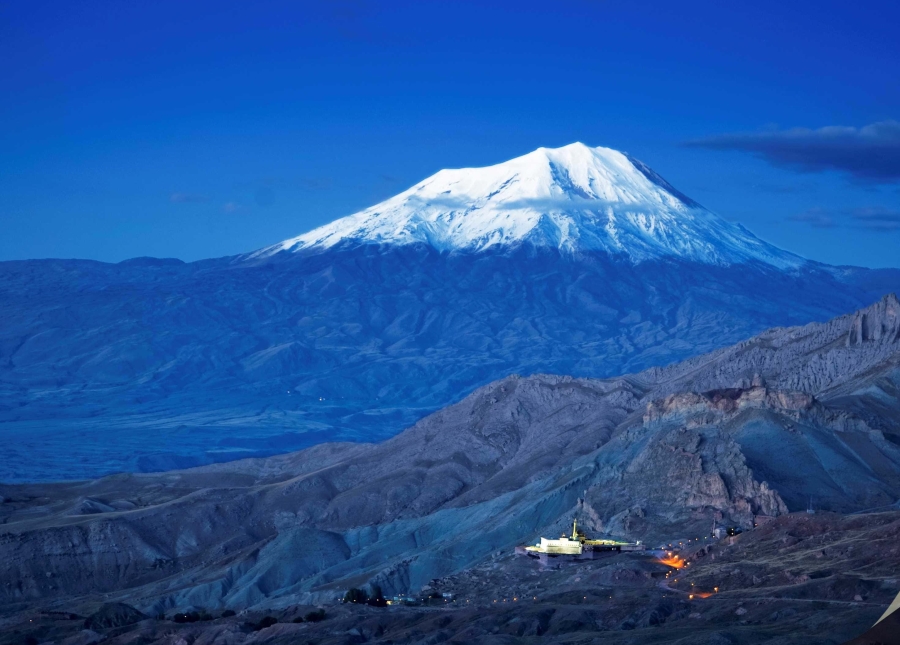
187	198
783	189
871	218
815	217
870	153
231	207
876	219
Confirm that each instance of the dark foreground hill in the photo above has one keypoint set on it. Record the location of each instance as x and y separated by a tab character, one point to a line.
802	579
152	365
738	436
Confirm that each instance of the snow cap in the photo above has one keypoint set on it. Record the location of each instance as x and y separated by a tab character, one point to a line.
575	198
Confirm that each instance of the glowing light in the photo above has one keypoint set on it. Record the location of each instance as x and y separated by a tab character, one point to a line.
674	561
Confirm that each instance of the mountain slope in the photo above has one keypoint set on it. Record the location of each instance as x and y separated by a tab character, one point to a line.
574	198
217	360
514	460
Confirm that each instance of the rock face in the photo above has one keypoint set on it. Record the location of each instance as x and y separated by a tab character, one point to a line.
880	322
820	359
633	456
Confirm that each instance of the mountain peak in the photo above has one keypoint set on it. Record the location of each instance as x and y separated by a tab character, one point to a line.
574	198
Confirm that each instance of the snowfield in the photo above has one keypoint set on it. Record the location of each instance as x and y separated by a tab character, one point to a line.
573	198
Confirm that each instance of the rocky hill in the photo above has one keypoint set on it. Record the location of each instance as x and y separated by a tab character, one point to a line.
756	431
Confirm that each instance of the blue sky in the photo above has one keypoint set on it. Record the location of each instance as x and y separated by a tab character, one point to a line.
203	129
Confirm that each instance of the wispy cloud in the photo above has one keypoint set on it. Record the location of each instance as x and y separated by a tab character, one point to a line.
876	219
231	207
187	198
815	217
870	153
871	218
783	189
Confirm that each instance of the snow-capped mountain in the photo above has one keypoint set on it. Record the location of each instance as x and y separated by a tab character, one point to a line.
574	198
556	262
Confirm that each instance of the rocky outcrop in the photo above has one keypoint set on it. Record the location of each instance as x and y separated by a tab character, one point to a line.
879	322
822	359
685	471
729	401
